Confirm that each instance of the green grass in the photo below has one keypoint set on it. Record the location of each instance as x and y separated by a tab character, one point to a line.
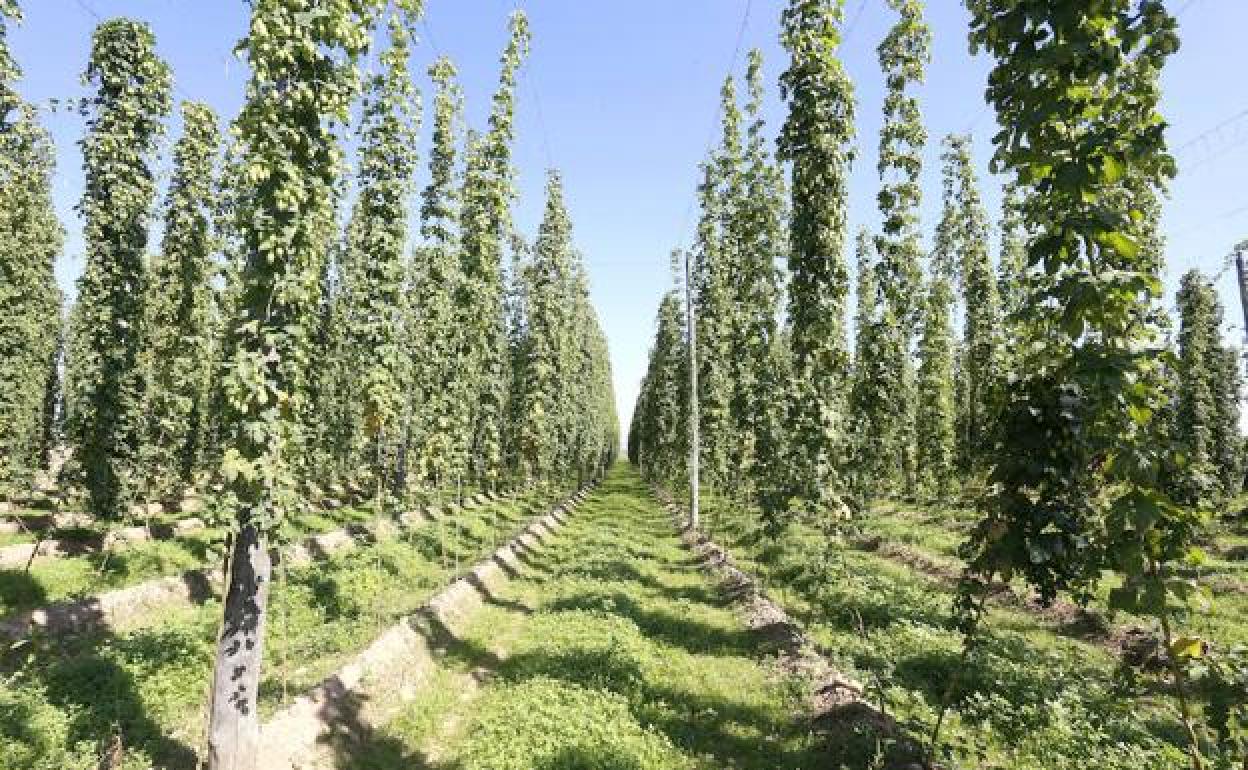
936	532
15	538
320	521
151	682
1035	695
73	577
611	651
80	576
29	534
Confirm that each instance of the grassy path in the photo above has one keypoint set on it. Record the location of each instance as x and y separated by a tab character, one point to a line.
613	651
1037	695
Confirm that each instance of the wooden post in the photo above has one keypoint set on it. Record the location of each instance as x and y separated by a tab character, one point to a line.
1242	269
234	726
692	321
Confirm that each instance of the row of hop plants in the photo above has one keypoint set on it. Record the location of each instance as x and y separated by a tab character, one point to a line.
1095	433
401	336
287	337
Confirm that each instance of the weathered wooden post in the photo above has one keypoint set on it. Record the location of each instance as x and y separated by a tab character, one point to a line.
692	321
1242	270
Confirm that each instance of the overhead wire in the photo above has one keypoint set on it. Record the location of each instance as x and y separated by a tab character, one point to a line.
1226	142
433	41
987	108
1204	135
714	123
1240	138
849	28
100	19
1228	262
541	117
1207	220
529	79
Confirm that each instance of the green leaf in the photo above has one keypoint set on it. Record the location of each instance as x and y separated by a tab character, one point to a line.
1120	243
1188	648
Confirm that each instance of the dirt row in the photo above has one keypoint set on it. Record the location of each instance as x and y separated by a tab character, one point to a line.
20	555
83	533
396	667
114	609
1068	618
838	704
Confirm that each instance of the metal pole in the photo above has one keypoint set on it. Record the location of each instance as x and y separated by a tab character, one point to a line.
691	321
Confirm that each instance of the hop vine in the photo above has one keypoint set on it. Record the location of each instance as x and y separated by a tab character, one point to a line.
132	97
180	346
816	140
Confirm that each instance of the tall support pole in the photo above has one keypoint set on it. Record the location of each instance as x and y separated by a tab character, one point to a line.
1242	269
694	448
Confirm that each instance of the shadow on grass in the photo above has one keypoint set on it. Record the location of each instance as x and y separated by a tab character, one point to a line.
668	627
726	726
354	743
586	758
101	698
704	724
20	591
93	678
494	599
889	597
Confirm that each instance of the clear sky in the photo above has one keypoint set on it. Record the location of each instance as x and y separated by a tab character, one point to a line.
622	97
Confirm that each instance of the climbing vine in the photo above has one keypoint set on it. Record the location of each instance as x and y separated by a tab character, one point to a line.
179	309
547	338
1207	399
936	448
441	429
593	430
982	345
486	220
716	267
132	97
761	238
873	327
373	261
817	140
1011	269
29	297
1076	483
903	54
9	71
304	78
30	301
661	414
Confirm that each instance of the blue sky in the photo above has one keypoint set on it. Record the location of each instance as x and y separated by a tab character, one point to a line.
622	97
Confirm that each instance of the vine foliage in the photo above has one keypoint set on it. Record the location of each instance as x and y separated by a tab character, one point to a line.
30	301
132	97
1077	486
180	305
816	139
304	78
